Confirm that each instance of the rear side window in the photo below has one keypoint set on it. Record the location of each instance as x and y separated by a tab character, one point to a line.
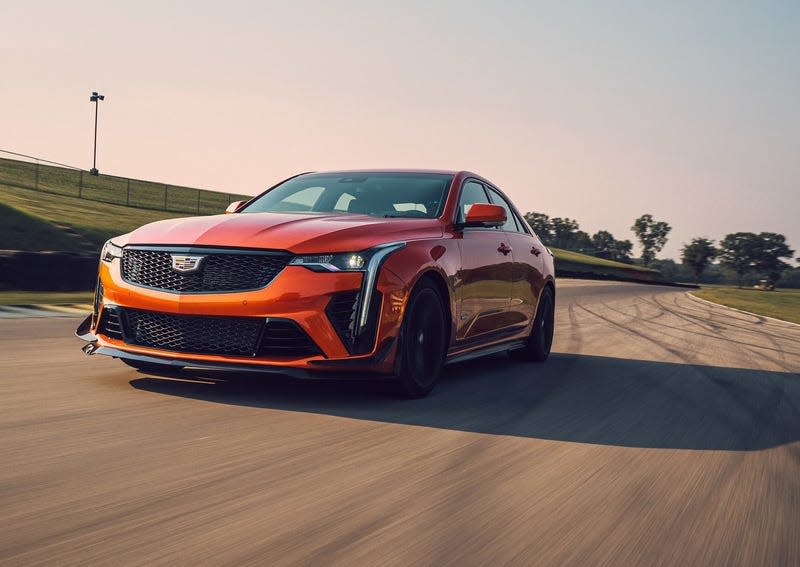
472	192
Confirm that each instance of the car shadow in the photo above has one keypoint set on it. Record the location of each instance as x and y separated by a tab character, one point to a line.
585	399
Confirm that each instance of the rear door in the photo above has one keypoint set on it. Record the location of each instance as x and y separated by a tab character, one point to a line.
485	279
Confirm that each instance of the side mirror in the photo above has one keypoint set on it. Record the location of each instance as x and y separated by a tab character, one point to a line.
234	207
485	215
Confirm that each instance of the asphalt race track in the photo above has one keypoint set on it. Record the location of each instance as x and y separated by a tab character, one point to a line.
662	431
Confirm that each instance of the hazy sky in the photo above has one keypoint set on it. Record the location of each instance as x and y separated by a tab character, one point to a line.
599	111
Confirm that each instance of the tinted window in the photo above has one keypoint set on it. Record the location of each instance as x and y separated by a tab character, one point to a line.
410	195
472	192
511	224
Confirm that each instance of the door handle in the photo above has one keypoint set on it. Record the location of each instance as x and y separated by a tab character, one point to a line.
504	249
535	251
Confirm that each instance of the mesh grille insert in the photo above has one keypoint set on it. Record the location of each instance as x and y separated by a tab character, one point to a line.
218	271
235	336
284	339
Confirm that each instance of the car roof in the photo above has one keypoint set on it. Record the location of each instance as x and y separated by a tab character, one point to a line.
392	170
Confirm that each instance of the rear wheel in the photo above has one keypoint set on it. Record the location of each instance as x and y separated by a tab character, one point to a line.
423	342
540	340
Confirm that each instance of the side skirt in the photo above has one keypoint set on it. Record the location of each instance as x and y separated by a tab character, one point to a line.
485	351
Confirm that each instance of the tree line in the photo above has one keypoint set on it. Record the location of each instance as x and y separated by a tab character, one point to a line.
566	233
745	255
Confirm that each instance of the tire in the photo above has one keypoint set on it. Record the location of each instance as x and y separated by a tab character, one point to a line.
423	343
151	366
540	340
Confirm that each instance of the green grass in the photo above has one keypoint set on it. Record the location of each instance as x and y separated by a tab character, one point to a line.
112	189
45	297
20	230
577	257
575	263
97	222
781	304
96	207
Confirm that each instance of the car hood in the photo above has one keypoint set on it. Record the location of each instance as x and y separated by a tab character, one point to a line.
297	233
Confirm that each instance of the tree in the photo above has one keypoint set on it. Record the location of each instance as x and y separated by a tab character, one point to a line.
697	255
603	242
606	246
772	247
622	250
652	235
541	225
564	231
745	252
739	251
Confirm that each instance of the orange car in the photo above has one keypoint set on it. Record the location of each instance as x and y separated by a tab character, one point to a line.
339	274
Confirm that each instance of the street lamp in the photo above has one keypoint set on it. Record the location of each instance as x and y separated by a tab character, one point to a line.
95	98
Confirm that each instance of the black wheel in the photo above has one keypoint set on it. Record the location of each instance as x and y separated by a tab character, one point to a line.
423	343
541	338
150	366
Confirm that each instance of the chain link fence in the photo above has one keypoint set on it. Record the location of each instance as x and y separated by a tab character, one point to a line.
60	179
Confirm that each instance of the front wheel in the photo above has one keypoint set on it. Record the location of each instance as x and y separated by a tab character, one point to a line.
423	342
540	340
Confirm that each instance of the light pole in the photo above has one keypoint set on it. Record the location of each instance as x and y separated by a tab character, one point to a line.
95	98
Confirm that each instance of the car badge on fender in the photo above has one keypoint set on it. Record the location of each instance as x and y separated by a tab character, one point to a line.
184	264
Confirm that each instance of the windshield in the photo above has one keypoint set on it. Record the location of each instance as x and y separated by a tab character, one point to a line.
390	195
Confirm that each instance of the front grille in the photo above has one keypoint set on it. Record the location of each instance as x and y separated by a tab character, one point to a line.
110	324
284	339
235	336
218	271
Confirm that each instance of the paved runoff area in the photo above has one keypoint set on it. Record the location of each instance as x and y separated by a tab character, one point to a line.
663	430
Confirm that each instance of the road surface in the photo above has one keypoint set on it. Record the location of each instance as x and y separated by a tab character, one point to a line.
662	431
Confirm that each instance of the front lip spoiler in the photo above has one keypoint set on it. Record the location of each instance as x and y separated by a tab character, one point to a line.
91	348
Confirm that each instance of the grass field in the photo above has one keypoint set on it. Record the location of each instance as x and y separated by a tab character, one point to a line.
111	189
20	230
581	265
570	256
95	221
781	304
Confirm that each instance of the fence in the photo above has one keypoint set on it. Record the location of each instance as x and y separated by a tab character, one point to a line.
61	179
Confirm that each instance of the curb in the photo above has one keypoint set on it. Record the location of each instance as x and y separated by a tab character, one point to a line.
689	294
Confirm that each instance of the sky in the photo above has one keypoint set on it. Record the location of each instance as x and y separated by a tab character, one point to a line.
597	111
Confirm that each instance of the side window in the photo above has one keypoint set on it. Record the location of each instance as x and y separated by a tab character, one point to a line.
472	192
511	224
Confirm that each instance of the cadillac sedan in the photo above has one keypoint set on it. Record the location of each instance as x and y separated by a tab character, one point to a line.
385	274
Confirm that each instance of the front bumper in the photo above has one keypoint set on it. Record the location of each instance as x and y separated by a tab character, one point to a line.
297	294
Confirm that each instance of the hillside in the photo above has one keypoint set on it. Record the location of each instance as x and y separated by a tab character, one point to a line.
575	264
48	207
94	221
20	230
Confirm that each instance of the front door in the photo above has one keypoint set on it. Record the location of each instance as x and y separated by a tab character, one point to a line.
485	279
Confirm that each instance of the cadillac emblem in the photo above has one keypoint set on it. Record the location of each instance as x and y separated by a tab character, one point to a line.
184	264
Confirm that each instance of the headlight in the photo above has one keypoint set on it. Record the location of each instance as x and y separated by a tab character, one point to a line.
344	262
110	251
